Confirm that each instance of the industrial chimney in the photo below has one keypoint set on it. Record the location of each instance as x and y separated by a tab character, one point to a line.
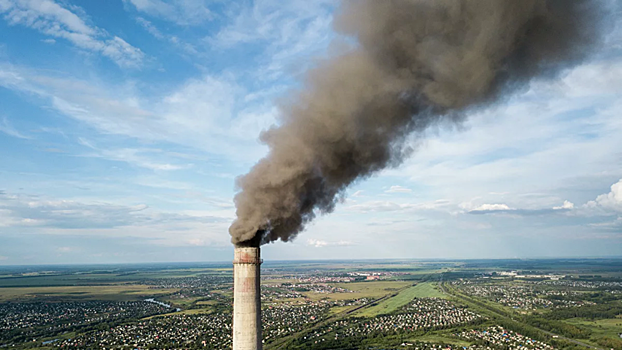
246	298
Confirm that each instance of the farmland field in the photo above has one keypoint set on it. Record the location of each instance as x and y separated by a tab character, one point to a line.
317	305
107	292
421	290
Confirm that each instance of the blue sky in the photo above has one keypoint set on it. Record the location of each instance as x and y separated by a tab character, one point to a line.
124	123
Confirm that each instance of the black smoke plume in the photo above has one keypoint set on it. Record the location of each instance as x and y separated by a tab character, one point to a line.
416	63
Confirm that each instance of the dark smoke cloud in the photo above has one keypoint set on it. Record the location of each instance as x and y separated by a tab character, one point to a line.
417	63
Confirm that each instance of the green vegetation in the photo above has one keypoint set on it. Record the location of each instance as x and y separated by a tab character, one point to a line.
428	290
389	305
373	290
106	292
605	328
318	305
612	343
421	290
609	310
441	338
557	327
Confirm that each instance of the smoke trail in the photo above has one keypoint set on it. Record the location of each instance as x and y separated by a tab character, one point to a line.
417	63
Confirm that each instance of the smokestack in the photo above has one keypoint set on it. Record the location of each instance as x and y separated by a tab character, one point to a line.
246	298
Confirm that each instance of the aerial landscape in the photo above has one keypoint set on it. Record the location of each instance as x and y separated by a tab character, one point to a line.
384	304
311	174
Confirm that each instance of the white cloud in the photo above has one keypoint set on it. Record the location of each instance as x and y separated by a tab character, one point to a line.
33	211
288	29
51	19
470	208
609	225
357	193
567	205
388	206
201	113
137	157
8	129
611	201
398	189
379	206
153	30
492	207
181	12
317	243
149	27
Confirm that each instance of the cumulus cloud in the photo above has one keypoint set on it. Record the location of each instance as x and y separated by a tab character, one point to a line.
567	205
54	20
611	201
492	207
320	243
398	189
504	209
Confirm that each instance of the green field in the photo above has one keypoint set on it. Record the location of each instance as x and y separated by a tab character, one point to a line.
110	292
207	291
421	290
439	338
428	290
610	327
374	290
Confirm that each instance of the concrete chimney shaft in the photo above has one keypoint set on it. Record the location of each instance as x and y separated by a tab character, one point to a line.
246	299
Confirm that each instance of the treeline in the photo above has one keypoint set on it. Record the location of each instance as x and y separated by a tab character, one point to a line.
531	326
595	297
591	312
610	343
379	338
372	341
561	328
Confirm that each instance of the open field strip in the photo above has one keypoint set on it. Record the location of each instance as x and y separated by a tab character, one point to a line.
372	290
109	292
421	290
438	338
278	281
428	290
609	327
282	343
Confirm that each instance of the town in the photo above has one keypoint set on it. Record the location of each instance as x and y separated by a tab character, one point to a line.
411	305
